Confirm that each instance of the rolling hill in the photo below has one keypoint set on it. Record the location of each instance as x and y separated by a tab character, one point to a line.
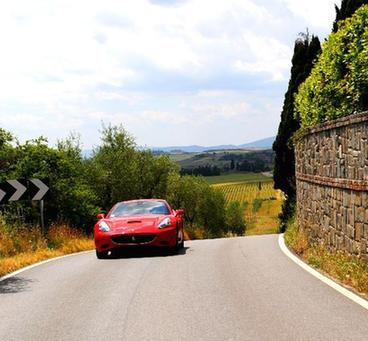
259	144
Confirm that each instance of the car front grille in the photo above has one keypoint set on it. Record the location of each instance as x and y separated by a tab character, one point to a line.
133	239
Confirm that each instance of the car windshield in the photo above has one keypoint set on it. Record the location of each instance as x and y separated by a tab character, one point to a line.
139	208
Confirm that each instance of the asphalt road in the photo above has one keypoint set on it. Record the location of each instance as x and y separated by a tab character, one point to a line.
223	289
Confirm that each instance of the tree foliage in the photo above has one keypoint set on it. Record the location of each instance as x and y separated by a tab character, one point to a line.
204	206
306	50
338	84
121	172
117	171
346	10
235	218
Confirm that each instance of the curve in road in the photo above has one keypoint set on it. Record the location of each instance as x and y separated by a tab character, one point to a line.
222	289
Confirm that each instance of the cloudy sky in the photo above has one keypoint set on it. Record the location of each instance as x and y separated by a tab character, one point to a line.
173	72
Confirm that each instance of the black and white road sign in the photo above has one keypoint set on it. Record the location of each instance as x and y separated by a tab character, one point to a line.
22	189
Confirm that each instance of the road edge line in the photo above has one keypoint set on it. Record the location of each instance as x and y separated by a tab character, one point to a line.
28	267
347	293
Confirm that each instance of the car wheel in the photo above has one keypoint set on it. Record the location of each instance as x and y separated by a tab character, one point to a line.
179	240
102	255
181	243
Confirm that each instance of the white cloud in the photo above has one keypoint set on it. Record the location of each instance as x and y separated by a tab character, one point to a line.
316	12
268	55
127	62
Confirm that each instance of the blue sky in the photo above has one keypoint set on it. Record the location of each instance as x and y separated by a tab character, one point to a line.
173	72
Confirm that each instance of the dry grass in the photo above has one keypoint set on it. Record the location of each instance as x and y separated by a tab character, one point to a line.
263	218
348	270
262	205
21	246
194	232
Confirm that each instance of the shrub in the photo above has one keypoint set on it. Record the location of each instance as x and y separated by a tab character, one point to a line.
338	84
296	238
235	218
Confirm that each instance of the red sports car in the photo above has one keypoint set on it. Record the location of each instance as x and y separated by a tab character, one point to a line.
139	223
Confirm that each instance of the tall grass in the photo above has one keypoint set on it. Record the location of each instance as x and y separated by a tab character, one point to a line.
261	202
347	269
21	246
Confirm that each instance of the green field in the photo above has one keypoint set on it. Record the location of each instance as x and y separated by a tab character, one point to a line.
237	177
262	203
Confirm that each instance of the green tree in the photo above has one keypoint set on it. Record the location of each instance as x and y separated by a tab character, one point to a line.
346	10
185	192
211	212
232	164
235	222
113	166
338	84
306	50
7	153
70	199
119	171
204	206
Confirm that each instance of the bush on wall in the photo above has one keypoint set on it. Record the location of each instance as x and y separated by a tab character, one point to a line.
338	84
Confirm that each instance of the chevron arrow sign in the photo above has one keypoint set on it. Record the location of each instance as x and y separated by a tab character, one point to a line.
23	189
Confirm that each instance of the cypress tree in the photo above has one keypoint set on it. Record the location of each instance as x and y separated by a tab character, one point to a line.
346	10
306	50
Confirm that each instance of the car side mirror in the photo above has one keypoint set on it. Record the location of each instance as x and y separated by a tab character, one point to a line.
100	216
179	212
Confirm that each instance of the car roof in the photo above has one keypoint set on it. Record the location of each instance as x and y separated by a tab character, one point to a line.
138	200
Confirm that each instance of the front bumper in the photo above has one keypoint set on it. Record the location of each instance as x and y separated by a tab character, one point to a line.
107	241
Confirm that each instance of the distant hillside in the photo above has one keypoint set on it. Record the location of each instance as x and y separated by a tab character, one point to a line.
264	143
218	162
259	144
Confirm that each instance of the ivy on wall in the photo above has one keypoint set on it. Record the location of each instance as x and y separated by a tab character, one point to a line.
338	83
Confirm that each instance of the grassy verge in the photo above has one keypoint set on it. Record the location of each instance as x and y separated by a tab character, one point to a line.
20	247
262	204
348	270
262	217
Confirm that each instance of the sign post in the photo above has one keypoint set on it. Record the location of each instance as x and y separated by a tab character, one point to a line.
42	217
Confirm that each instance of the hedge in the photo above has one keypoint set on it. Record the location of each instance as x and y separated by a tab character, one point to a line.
338	83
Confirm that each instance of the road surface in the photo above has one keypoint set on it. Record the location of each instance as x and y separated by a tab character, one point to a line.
222	289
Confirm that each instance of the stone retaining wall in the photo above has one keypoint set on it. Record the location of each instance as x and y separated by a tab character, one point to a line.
332	183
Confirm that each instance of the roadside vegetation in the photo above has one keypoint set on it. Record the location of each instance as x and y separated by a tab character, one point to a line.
24	245
255	195
306	50
338	84
348	270
333	84
324	84
82	187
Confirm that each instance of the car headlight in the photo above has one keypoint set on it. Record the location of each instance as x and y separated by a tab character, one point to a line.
103	227
164	223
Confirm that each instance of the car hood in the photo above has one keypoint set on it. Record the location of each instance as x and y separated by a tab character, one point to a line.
135	222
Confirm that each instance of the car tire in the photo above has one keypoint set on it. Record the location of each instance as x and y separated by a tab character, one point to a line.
102	255
181	244
178	245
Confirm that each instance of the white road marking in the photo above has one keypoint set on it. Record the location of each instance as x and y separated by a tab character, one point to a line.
12	274
347	293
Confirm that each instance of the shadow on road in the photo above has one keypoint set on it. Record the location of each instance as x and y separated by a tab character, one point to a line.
14	285
146	252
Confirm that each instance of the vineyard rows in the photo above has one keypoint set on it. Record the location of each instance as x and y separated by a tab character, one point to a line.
248	192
